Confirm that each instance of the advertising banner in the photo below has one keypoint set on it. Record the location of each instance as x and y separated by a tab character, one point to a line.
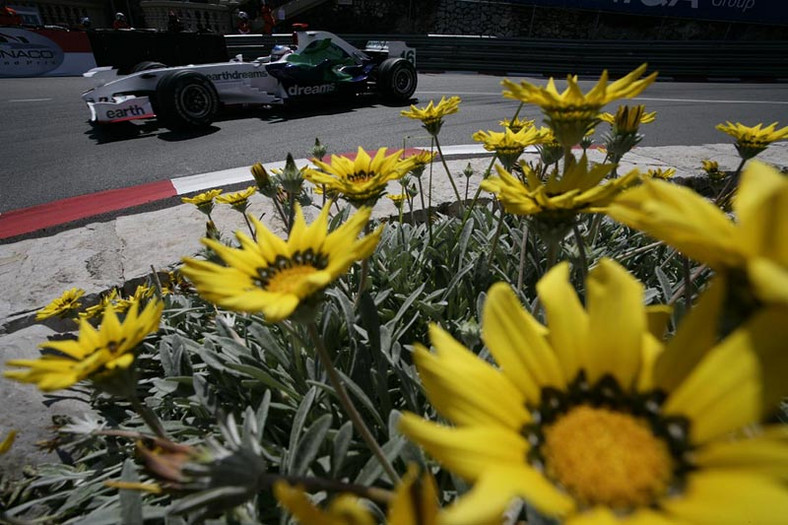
44	52
748	11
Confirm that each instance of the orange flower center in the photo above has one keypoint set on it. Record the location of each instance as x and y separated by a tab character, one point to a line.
289	279
605	457
286	274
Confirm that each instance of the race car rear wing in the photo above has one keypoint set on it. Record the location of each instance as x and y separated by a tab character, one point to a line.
391	49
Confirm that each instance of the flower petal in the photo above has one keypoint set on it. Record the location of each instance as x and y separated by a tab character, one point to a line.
695	336
467	451
617	322
737	380
761	206
766	454
492	493
517	342
467	390
730	498
681	218
567	319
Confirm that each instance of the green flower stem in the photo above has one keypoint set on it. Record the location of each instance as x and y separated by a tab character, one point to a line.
523	248
498	230
680	291
477	194
581	250
553	247
421	194
593	231
429	196
291	197
364	269
279	210
448	173
401	217
638	251
687	283
295	339
347	403
249	225
727	190
147	415
157	283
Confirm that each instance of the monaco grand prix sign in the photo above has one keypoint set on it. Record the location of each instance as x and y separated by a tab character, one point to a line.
31	53
753	11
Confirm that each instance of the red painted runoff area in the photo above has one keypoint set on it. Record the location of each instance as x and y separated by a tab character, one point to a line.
26	220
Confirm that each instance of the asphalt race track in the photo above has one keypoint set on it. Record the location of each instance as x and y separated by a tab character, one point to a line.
50	152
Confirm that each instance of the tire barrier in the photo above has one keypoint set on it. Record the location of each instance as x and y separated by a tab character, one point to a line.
686	59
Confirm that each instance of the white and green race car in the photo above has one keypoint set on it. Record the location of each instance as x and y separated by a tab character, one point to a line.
321	64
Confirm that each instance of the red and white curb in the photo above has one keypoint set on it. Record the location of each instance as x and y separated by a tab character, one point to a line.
35	218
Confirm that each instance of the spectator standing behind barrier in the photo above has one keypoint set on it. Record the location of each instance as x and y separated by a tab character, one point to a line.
243	23
9	17
268	19
174	24
120	21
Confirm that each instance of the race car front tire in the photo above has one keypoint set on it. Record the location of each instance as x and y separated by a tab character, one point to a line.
147	66
397	79
185	99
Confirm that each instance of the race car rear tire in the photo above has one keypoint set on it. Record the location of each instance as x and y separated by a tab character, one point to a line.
185	99
147	65
397	79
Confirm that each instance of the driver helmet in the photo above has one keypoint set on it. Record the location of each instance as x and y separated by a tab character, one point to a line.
242	15
277	52
120	16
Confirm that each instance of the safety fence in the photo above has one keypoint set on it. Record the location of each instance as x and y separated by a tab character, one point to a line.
766	60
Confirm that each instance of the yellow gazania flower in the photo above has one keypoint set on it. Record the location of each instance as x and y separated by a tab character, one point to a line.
108	299
274	276
752	250
238	200
142	292
261	177
516	124
752	140
509	143
432	115
362	180
397	199
202	198
96	354
420	161
712	170
203	201
591	417
571	112
422	158
660	173
628	119
5	444
415	502
555	203
63	305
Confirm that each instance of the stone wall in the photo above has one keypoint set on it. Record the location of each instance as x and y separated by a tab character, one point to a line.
472	17
502	19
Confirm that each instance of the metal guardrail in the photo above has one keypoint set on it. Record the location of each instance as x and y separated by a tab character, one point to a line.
682	59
